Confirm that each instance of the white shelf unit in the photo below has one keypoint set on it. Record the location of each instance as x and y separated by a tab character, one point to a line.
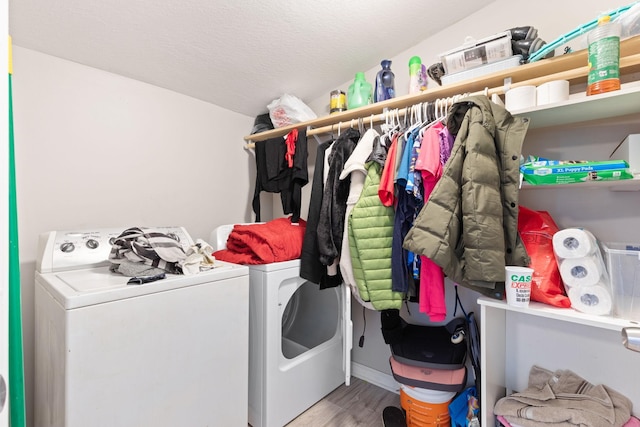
514	339
581	108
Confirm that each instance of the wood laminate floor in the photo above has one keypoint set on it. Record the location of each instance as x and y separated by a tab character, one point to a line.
360	404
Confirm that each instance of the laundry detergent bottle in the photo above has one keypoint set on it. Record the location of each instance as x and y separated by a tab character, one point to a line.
385	82
360	92
604	57
417	75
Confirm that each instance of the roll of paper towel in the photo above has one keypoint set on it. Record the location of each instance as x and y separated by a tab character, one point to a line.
520	97
591	299
574	243
578	272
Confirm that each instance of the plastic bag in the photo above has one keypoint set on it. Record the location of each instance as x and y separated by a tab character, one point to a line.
464	409
288	110
536	230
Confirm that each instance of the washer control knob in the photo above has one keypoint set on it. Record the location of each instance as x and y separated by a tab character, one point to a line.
67	247
92	243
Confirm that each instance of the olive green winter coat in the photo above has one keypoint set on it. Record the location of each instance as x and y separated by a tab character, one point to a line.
469	226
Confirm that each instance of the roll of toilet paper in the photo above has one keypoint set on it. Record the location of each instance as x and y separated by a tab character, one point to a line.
520	98
574	243
553	91
591	299
579	272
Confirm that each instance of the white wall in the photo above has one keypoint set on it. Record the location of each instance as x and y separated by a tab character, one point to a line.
551	19
96	149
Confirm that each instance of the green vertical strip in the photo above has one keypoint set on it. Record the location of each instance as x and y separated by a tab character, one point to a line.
17	412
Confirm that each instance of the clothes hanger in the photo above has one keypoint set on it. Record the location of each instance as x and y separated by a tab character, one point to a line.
430	120
443	109
414	121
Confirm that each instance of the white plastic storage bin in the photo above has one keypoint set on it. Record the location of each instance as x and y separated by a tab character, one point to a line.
483	70
623	263
474	53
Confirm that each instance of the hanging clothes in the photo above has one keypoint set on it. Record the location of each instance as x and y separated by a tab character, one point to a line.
446	144
356	171
311	268
432	294
274	175
386	190
471	234
370	236
334	204
406	206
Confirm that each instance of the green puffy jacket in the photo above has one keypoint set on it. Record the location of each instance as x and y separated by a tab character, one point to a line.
370	236
469	226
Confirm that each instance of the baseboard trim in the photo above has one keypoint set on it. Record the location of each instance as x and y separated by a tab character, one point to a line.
375	377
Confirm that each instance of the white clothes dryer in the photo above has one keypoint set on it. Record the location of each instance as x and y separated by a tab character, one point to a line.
299	340
173	352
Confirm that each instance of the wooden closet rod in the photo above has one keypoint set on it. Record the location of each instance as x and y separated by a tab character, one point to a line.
566	67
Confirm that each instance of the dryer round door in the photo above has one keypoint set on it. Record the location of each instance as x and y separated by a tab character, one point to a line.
310	316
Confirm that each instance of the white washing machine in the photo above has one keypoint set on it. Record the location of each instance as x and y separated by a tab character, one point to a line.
299	340
168	353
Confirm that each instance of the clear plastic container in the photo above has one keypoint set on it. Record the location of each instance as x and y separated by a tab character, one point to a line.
623	263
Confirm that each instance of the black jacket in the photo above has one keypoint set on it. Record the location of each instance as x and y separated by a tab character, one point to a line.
334	198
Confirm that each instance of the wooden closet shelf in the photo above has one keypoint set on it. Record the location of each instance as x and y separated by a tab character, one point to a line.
566	67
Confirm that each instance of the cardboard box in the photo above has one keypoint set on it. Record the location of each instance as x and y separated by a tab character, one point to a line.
629	150
565	172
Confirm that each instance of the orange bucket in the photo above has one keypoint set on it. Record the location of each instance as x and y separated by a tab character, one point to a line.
424	414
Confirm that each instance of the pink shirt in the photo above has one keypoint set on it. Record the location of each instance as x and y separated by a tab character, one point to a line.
431	299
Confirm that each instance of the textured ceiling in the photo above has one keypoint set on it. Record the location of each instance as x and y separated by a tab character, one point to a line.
236	54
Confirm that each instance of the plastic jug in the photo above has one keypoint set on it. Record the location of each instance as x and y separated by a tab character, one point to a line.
360	92
417	75
604	57
385	82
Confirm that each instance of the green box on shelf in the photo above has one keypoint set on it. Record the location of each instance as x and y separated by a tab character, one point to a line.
549	172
